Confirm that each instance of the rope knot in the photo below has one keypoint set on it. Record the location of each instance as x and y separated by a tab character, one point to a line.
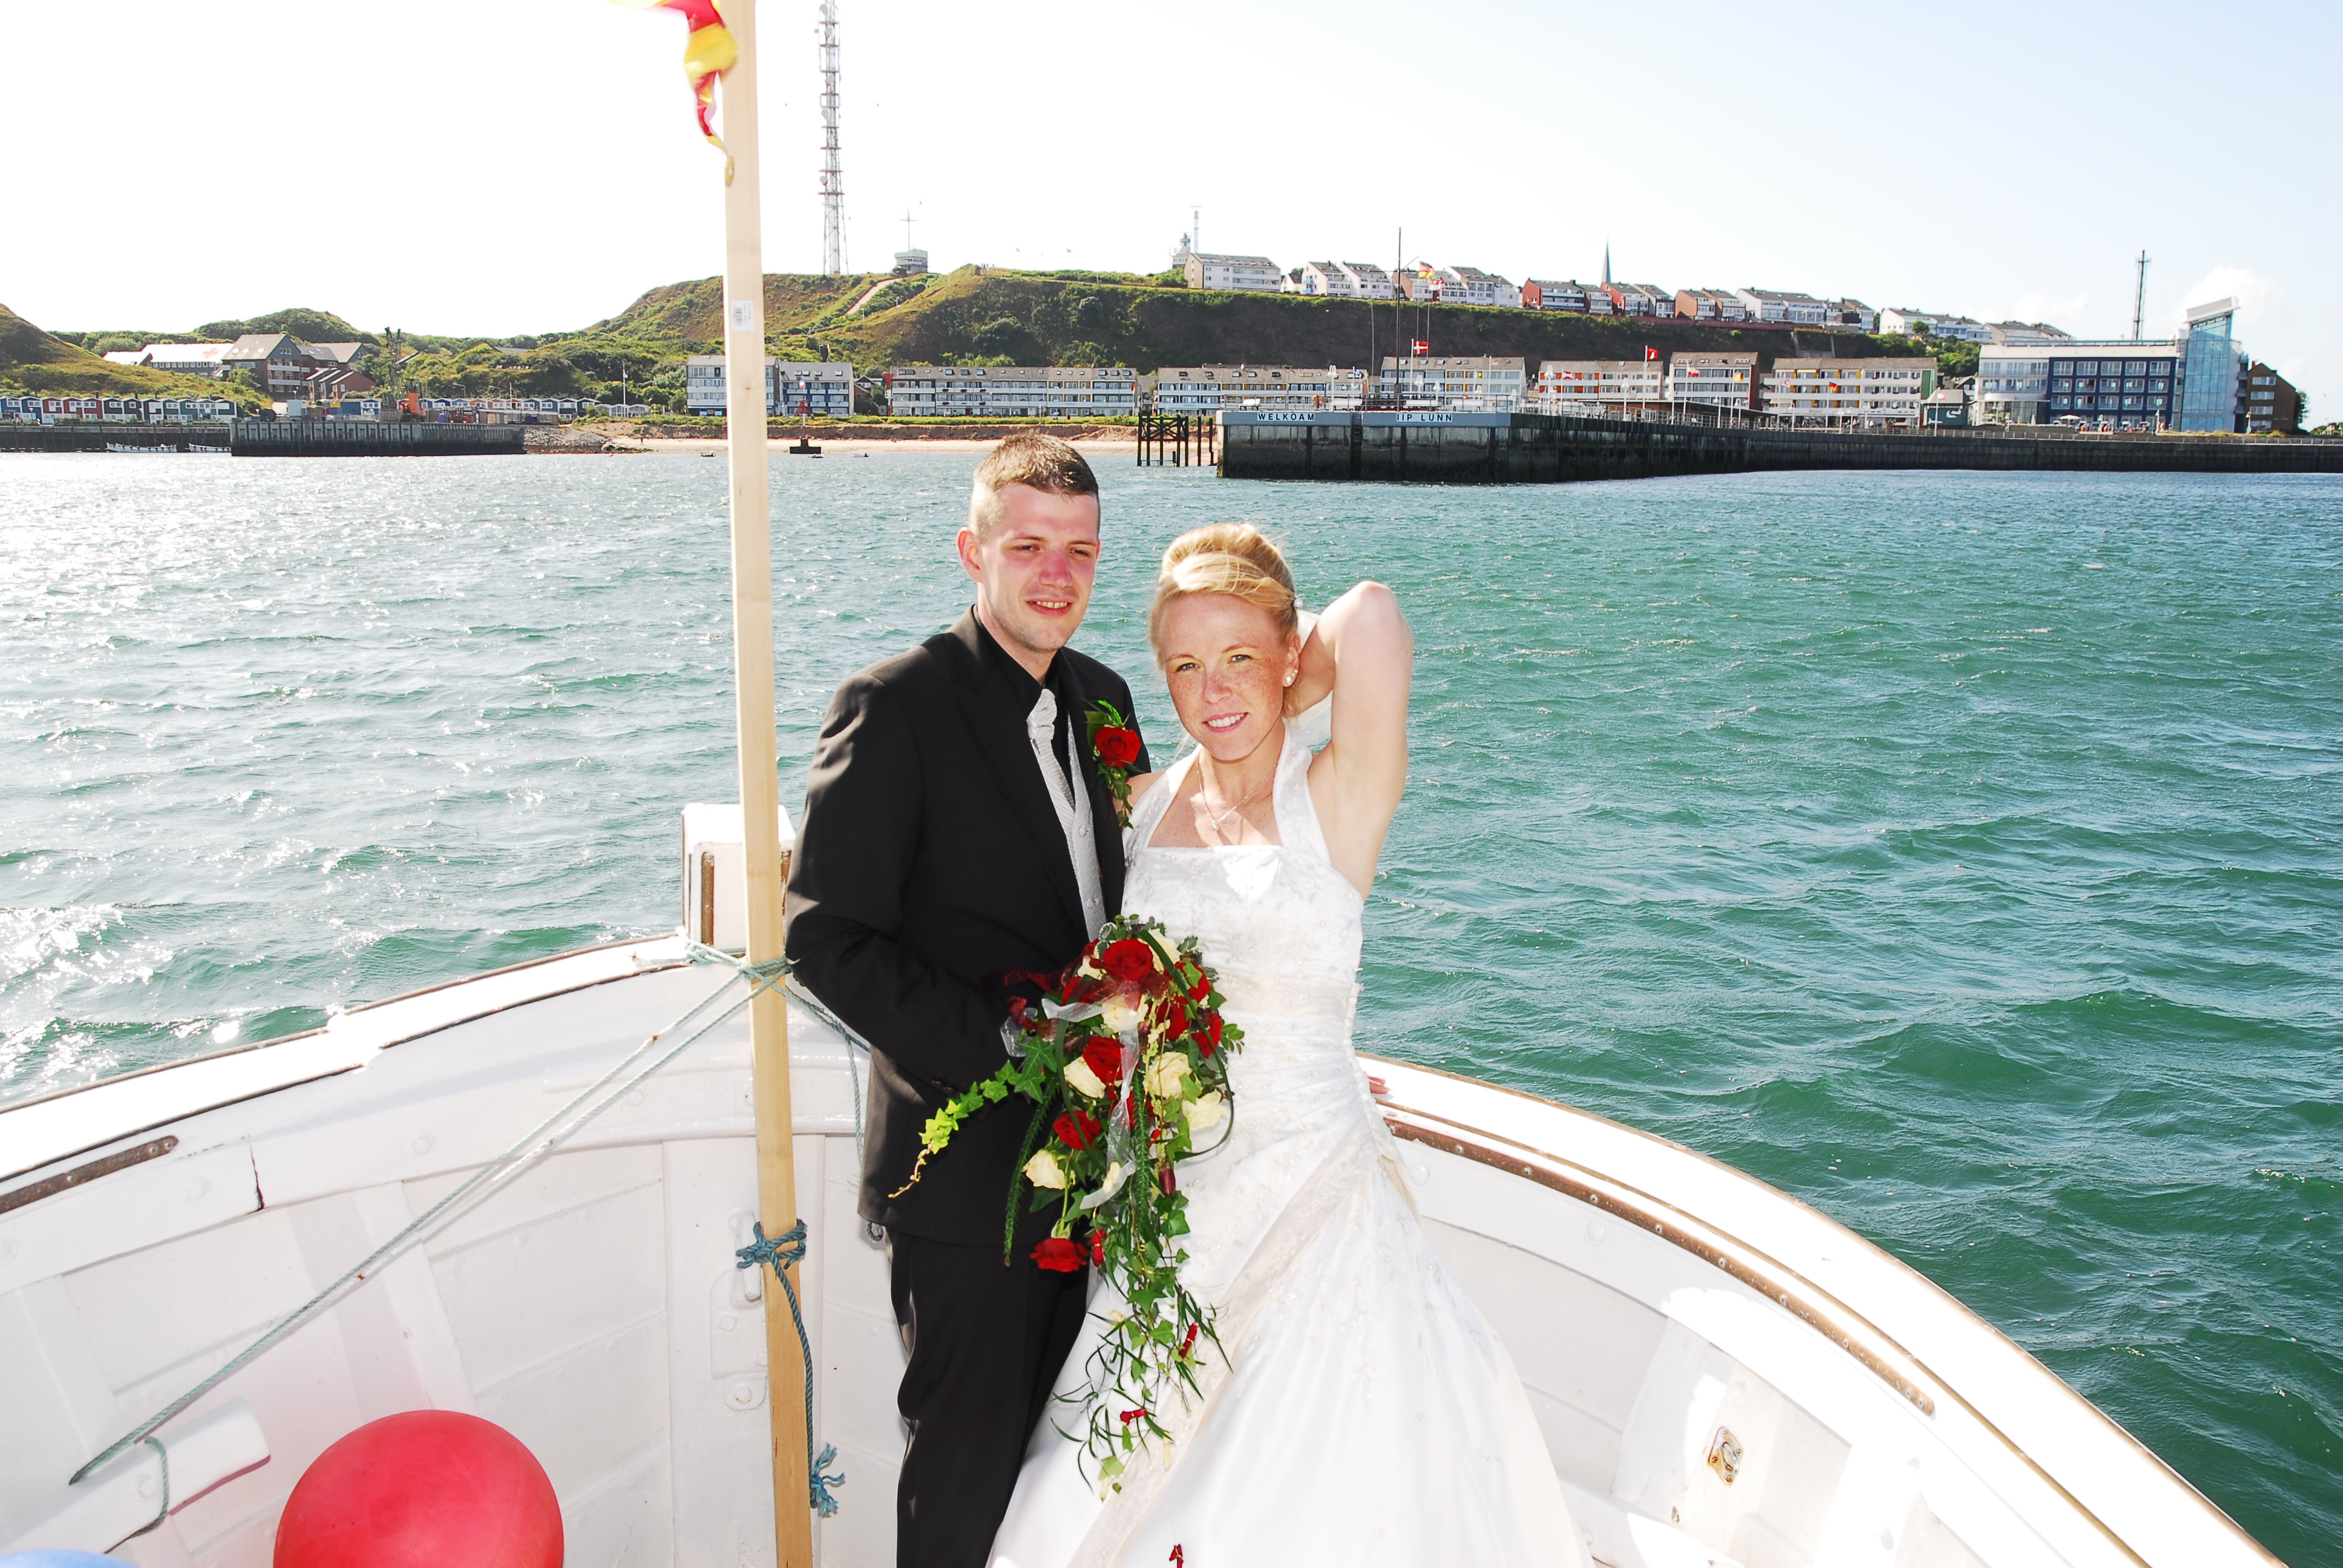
781	1251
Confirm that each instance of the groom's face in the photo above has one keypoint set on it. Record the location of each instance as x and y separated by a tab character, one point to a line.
1033	569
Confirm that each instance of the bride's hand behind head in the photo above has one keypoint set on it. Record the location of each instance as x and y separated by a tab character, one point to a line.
1225	636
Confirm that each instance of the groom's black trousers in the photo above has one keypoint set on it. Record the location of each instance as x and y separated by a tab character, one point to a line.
987	1341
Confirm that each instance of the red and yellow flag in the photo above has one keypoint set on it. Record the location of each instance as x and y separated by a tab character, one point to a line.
708	51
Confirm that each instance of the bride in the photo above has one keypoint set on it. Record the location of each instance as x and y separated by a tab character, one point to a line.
1364	1413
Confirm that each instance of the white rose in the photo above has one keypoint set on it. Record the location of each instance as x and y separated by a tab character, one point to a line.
1119	1014
1043	1171
1164	1074
1082	1080
1205	1111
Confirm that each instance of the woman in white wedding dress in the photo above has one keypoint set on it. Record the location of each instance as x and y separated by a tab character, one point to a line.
1364	1413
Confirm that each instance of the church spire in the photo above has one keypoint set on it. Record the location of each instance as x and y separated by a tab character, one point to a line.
1606	264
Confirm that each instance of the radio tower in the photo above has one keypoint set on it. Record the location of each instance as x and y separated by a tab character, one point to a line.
833	183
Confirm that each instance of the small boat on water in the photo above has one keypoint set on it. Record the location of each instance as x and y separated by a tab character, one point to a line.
1723	1376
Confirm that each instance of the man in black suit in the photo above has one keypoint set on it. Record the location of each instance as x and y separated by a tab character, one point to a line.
957	834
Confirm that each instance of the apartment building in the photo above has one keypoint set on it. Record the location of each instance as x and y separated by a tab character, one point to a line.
2273	403
273	359
1319	279
1470	286
824	390
1790	309
2128	385
1463	384
1854	313
1935	324
1254	273
188	359
1012	391
1555	294
1643	299
1585	385
2021	334
1710	304
1873	393
1718	381
1367	280
1208	389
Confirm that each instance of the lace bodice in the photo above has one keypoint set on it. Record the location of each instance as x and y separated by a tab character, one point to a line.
1278	922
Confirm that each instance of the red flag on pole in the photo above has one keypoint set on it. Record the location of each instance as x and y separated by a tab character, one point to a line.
1650	352
1418	346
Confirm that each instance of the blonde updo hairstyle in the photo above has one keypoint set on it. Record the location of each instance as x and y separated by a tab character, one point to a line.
1233	559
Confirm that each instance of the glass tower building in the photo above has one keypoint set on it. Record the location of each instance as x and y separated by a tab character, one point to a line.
2210	367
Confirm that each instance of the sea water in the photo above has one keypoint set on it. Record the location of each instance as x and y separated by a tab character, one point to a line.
1958	853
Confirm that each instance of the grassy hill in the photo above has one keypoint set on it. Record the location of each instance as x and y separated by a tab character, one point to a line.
35	361
994	317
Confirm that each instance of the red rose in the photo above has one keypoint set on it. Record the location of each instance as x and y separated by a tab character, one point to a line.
1076	1128
1059	1255
1105	1059
1098	1248
1117	747
1201	990
1128	960
1211	1040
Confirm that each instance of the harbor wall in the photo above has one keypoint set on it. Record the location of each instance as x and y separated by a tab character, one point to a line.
97	437
273	439
1425	447
370	438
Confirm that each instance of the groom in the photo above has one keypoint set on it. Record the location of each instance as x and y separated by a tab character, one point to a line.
956	832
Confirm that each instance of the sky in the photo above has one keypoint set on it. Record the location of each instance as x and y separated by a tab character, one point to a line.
508	166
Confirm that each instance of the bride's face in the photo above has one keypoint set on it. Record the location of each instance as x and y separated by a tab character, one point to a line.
1227	665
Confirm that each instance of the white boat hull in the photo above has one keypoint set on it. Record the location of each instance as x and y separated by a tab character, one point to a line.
1662	1307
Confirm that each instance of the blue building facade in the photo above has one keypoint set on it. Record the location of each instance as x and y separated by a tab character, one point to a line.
2214	370
2130	384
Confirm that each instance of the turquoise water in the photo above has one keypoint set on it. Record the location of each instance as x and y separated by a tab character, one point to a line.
1959	852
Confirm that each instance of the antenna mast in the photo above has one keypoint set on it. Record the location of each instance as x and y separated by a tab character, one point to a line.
2139	300
833	182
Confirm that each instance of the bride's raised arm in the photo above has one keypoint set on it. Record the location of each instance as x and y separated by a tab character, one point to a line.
1361	651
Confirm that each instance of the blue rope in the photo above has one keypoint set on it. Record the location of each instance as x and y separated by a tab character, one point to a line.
783	1251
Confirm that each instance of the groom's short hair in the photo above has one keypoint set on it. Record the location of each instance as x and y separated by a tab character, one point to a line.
1030	458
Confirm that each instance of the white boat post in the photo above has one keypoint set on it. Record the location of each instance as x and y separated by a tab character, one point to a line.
761	789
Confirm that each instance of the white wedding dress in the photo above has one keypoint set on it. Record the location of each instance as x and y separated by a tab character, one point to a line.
1366	1415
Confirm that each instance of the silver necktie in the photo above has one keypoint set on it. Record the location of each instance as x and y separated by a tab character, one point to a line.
1072	804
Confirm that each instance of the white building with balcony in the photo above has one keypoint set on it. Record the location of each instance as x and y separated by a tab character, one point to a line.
1790	309
1208	389
1587	385
820	389
1470	286
1935	324
1367	281
1715	380
1463	384
1876	394
1255	274
1012	391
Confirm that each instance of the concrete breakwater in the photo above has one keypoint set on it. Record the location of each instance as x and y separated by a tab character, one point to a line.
1426	446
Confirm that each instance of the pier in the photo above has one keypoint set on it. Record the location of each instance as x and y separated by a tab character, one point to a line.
371	438
1435	447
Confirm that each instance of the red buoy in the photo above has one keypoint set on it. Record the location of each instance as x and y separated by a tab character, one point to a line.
426	1489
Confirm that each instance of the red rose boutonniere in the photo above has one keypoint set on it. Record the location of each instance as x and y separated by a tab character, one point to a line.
1114	746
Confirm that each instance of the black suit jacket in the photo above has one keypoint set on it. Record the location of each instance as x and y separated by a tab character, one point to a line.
928	863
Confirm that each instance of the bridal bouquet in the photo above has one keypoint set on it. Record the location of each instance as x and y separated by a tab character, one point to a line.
1129	1046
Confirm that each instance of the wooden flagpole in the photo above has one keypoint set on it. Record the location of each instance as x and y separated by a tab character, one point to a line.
761	792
